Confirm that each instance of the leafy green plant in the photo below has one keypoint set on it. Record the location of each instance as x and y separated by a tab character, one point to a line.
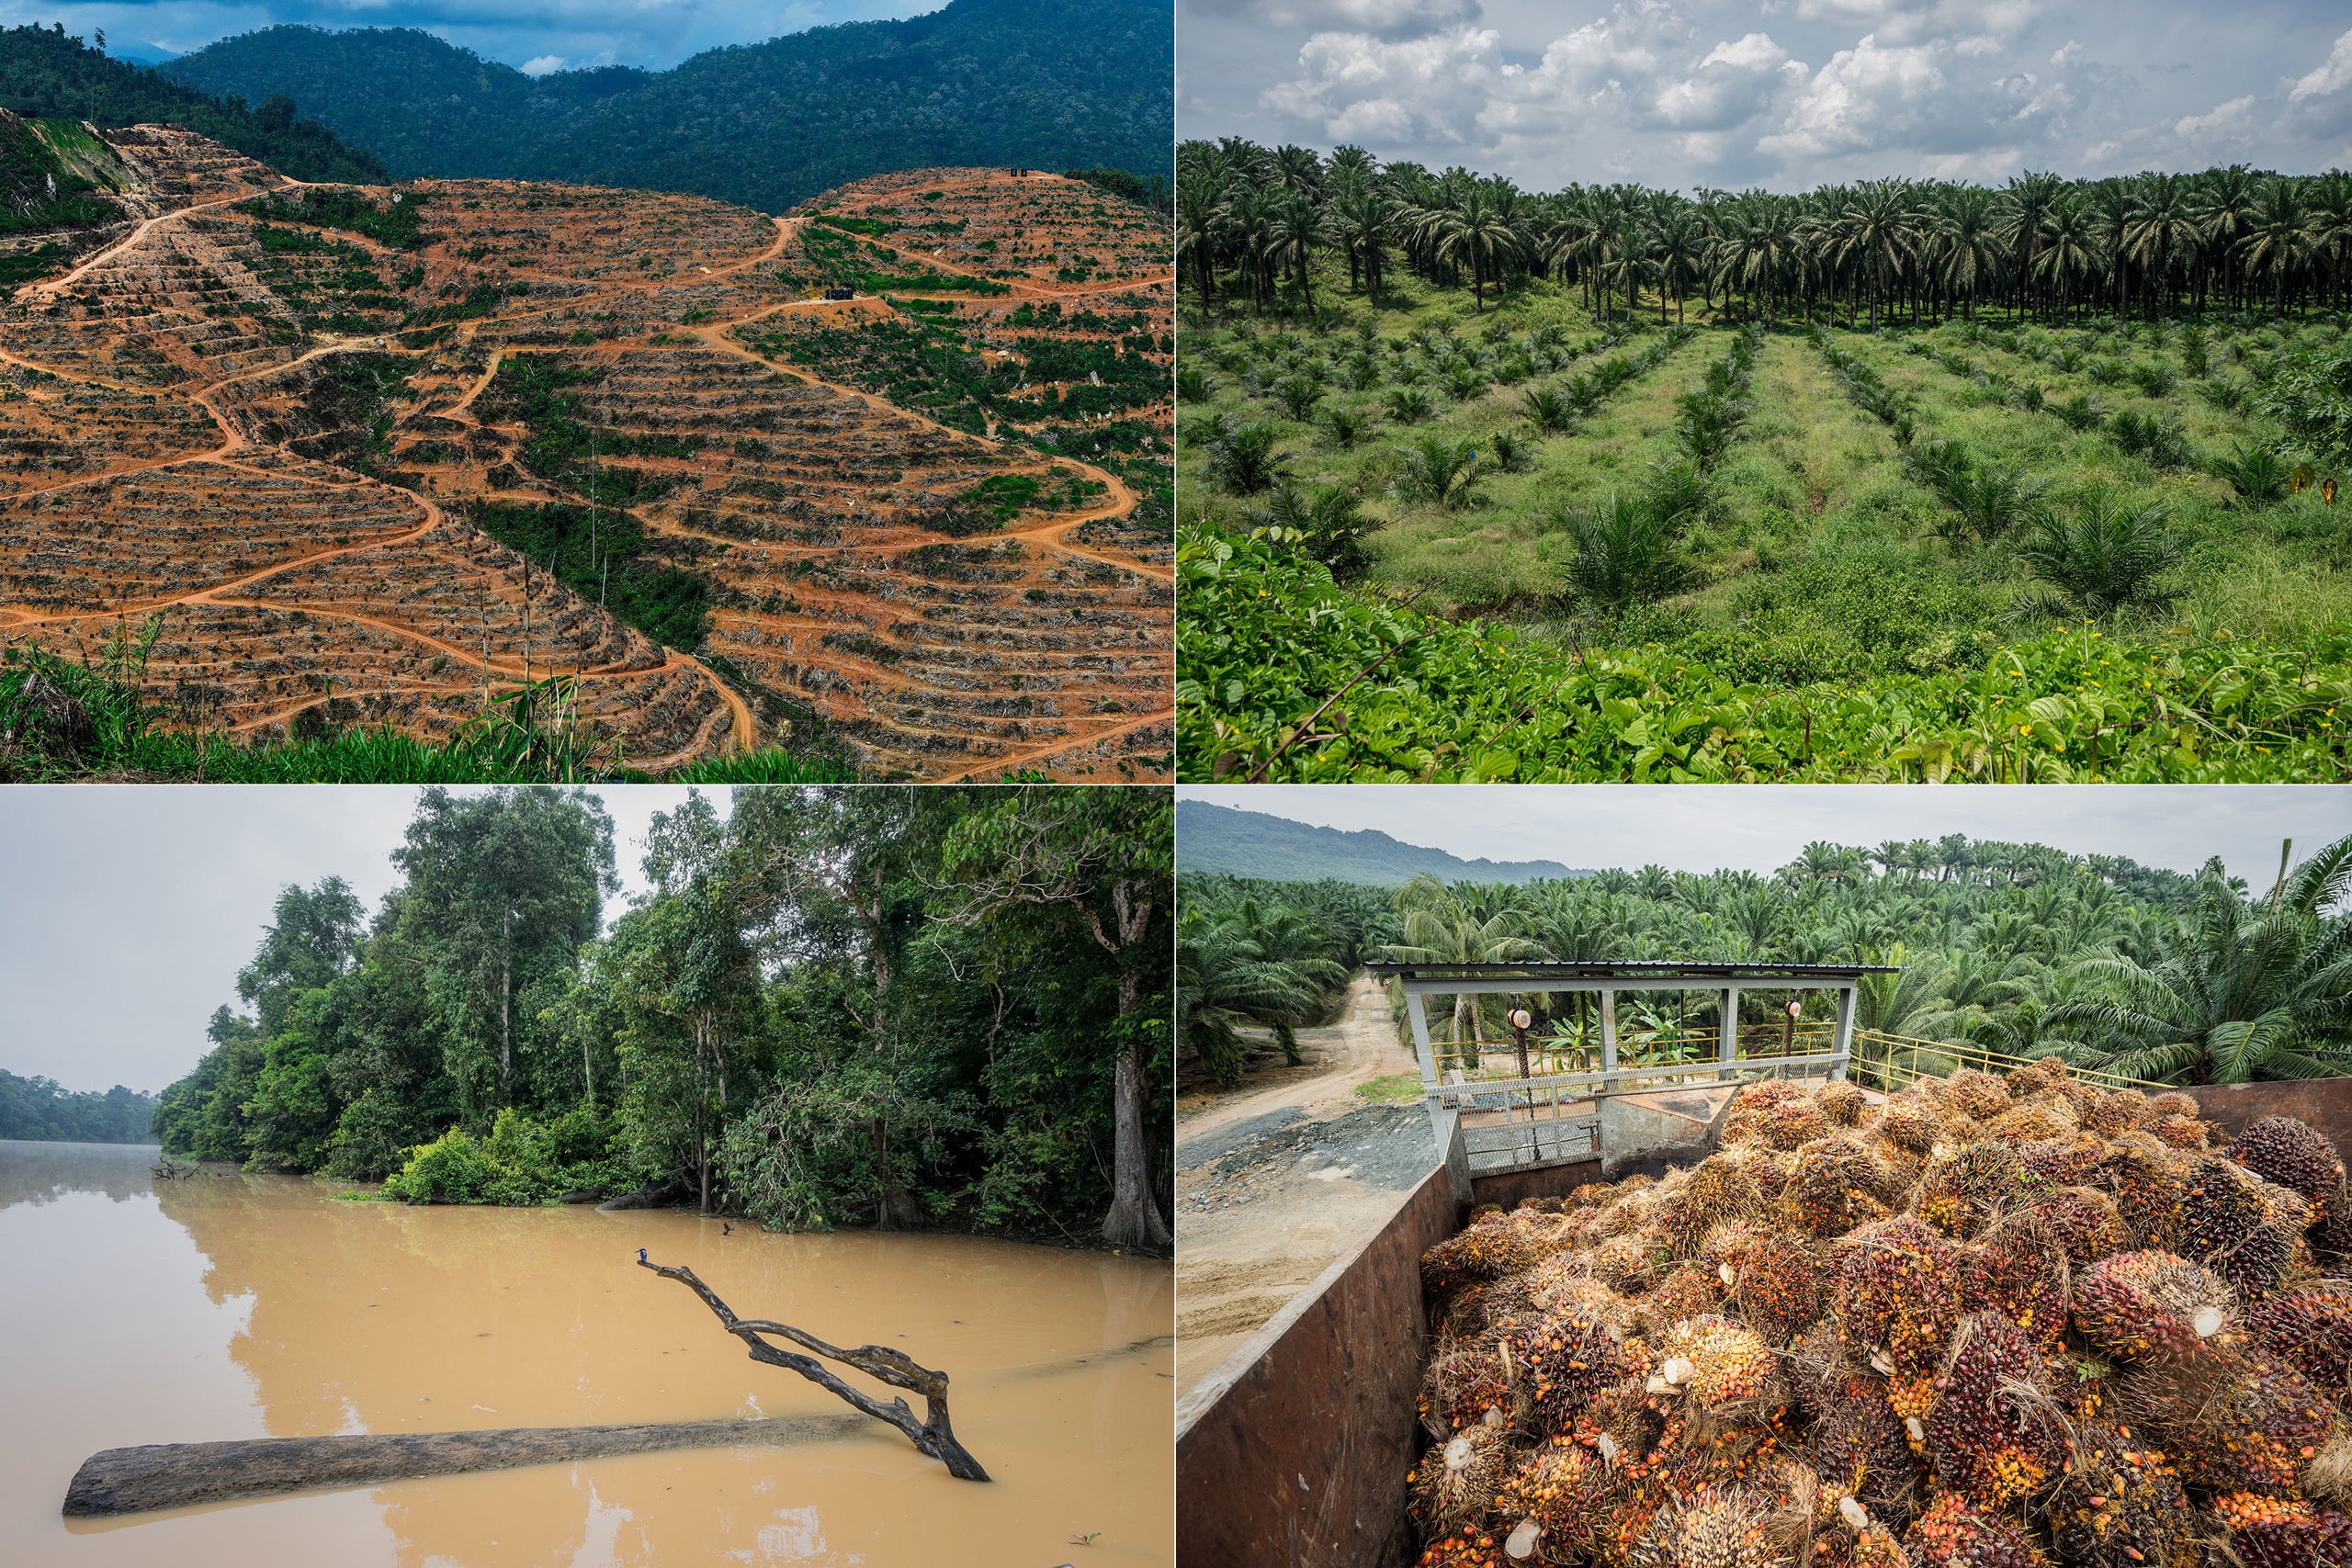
1551	410
1344	426
1244	458
1410	405
1297	395
1625	552
2256	473
1436	470
2103	555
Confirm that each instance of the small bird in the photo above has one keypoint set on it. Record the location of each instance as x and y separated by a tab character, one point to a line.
641	1255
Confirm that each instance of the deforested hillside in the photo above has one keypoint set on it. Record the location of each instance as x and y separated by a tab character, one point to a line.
1039	83
301	459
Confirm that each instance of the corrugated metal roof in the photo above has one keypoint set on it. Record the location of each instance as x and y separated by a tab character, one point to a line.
1638	969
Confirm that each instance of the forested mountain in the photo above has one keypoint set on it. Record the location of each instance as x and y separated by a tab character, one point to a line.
2016	948
1038	84
46	74
838	1007
1218	839
38	1109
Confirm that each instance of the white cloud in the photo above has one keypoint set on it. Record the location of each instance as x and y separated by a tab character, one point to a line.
2331	78
543	65
1730	86
2066	54
2221	123
1357	86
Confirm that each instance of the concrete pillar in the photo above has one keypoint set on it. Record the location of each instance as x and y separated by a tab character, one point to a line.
1845	1046
1727	1031
1609	1037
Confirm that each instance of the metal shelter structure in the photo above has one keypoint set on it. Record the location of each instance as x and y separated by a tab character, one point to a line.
1489	1117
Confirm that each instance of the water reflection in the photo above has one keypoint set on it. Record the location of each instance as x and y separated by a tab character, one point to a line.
321	1315
42	1173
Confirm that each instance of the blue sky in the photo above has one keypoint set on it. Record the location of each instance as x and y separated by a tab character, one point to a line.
537	35
1784	93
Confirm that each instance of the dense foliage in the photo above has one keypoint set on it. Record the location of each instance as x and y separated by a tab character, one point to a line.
38	1109
1033	83
2016	948
1285	675
45	73
866	1006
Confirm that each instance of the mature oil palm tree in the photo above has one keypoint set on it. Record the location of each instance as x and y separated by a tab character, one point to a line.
1478	231
2277	236
1292	231
1360	220
2069	246
1226	977
1200	198
1966	253
2239	991
2163	230
1440	927
1879	230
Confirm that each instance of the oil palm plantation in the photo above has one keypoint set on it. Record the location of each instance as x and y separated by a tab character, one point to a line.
1438	926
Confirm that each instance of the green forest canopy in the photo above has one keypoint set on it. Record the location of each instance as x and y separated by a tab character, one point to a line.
38	1109
1036	84
838	1006
45	73
2017	948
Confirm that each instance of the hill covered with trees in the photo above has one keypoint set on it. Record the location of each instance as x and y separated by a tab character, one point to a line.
941	1007
45	74
2018	949
1036	84
1218	839
40	1110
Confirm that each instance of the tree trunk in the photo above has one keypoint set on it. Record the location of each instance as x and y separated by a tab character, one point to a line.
506	1006
1134	1218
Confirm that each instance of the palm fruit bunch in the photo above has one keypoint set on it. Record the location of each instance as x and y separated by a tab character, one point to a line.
1721	1188
1980	1096
2139	1305
2019	1270
2119	1505
1455	1484
2310	1328
2275	1532
2170	1103
1769	1278
1709	1527
1833	1188
1956	1533
2235	1223
1556	1364
1898	1296
2019	1306
2291	1154
1846	1104
1463	1382
2084	1224
1568	1493
1962	1190
1994	1432
2230	1419
2180	1131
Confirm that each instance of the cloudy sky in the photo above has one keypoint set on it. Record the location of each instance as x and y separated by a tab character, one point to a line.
1760	828
1785	94
539	35
129	911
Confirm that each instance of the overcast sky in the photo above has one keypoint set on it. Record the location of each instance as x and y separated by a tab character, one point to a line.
126	911
1761	828
1785	94
536	34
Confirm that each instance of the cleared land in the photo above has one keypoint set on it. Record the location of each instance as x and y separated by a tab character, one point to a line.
342	455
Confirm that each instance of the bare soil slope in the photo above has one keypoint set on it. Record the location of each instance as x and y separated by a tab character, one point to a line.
305	436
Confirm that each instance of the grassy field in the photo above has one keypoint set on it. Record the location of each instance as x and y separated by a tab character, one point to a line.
1806	516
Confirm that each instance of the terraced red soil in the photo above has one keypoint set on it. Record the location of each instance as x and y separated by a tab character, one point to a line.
179	437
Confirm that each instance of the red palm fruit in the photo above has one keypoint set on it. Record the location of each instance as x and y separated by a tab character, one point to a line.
1467	1549
2310	1328
1722	1368
1769	1278
2141	1304
1911	1123
1688	1291
1898	1295
1453	1486
2273	1532
1793	1124
2228	1419
2061	1162
2019	1269
2103	1113
1628	1264
1834	1187
2292	1154
1556	1364
1621	1423
2171	1102
2180	1131
2119	1505
2084	1224
2225	1221
1710	1527
1956	1533
1487	1250
1846	1104
1994	1433
1962	1191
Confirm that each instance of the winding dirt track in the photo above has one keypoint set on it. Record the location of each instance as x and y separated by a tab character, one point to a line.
742	733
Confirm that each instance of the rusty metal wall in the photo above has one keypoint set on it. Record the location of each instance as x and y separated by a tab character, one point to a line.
2325	1103
1295	1452
1509	1189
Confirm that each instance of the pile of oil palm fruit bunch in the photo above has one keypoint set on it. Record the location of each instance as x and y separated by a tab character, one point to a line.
1989	1322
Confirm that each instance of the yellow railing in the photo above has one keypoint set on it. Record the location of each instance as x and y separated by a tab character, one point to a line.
1890	1062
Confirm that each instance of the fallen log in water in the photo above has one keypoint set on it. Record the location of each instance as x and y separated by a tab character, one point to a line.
172	1475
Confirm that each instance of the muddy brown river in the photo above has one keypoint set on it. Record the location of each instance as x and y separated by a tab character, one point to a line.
133	1311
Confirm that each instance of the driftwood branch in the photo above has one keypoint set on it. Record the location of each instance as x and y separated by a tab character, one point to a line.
173	1475
932	1436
